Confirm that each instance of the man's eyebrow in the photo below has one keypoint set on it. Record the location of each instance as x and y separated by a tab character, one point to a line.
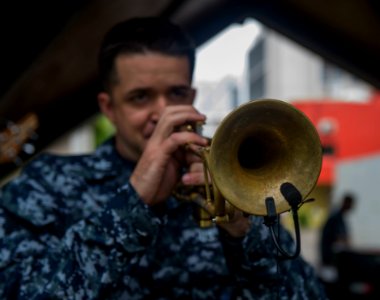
141	89
149	89
138	90
182	87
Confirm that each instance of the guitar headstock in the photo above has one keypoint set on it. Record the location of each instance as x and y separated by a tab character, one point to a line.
16	138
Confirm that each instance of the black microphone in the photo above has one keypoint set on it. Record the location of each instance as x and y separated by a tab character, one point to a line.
291	194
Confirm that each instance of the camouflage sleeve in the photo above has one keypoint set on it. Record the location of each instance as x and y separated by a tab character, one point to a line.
82	262
260	272
96	251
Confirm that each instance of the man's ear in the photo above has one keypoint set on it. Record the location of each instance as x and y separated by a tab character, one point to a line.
106	105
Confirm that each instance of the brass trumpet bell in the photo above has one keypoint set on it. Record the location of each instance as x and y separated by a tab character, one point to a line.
258	147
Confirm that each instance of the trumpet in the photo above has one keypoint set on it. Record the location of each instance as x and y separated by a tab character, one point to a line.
257	149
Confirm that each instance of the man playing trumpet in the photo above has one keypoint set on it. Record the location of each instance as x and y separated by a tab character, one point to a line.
106	226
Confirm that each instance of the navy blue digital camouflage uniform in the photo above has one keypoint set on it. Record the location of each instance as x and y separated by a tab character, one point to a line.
72	227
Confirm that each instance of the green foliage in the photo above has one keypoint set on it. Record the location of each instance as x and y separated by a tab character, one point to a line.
103	129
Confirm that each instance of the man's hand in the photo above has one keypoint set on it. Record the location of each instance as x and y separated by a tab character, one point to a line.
158	169
238	226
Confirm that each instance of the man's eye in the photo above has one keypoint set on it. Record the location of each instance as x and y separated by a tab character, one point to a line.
180	94
138	98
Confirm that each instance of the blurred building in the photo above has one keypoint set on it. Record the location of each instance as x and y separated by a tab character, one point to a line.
350	137
216	100
280	68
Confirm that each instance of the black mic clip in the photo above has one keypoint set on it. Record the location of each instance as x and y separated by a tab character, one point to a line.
271	218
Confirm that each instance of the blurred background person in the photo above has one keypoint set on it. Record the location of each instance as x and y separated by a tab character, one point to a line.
335	238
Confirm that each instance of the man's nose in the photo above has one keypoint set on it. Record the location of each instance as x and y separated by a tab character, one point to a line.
161	103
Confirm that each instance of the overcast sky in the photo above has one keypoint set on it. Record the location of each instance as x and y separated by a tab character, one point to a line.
225	54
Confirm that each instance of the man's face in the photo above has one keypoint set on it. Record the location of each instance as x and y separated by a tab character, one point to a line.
147	83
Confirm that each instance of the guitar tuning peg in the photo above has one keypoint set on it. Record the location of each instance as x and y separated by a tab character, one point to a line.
29	148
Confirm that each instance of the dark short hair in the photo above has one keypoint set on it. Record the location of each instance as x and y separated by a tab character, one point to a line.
142	35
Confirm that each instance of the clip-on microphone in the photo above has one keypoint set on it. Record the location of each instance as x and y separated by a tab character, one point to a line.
294	198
